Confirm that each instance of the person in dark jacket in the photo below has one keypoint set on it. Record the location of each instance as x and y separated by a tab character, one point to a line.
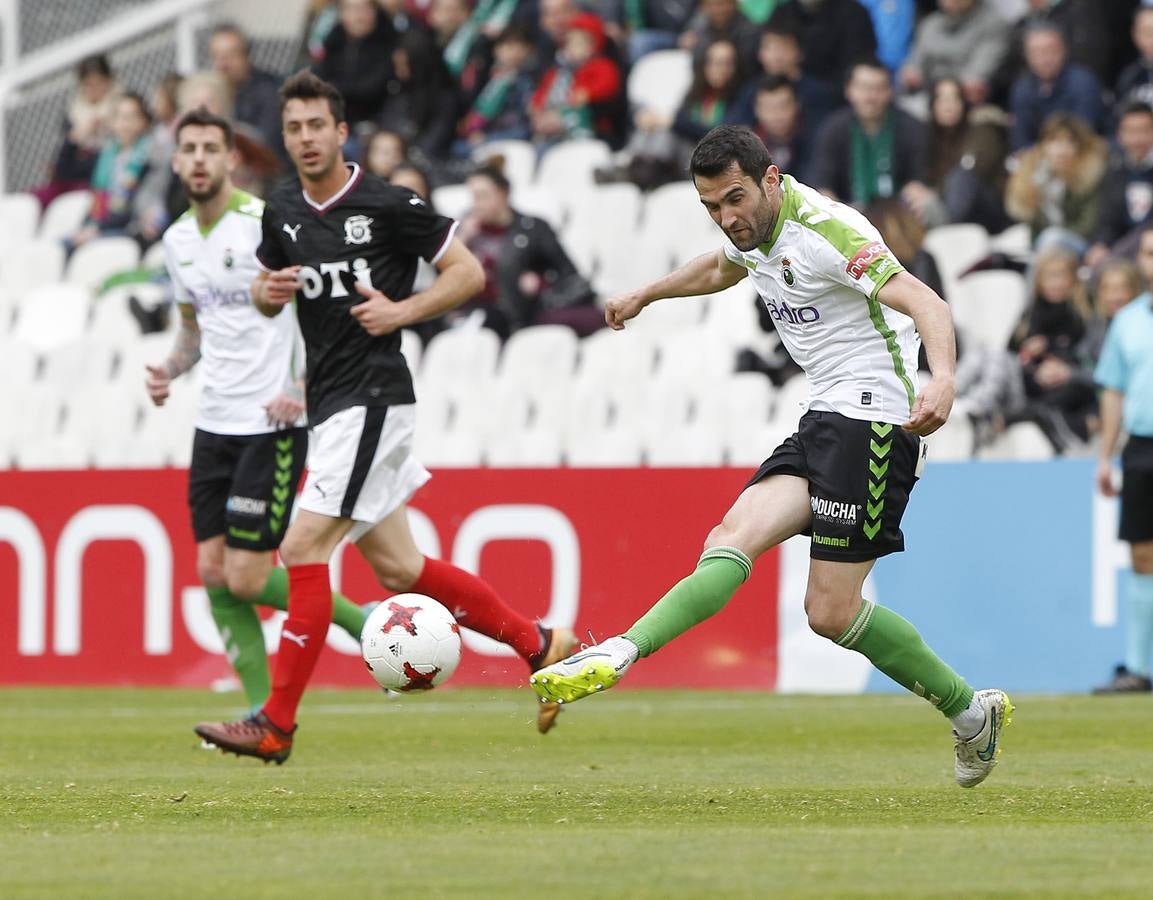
1136	80
833	35
872	149
1051	84
1127	191
255	98
358	55
529	279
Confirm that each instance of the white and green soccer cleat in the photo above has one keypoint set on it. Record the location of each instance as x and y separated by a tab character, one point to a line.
589	671
977	755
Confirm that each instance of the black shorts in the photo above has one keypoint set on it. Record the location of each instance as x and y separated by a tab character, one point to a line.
860	475
243	486
1137	490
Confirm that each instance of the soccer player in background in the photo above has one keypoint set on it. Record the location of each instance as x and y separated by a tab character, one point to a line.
345	244
1125	374
849	315
250	443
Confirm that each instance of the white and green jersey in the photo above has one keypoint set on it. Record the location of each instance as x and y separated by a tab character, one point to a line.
818	277
247	359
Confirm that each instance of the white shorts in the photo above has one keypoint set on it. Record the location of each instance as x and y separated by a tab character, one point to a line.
360	465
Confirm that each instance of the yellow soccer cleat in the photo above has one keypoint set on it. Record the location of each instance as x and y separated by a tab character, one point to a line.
587	672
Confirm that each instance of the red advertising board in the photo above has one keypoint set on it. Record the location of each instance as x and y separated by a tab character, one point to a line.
98	577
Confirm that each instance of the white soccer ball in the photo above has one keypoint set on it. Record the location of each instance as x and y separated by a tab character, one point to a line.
410	643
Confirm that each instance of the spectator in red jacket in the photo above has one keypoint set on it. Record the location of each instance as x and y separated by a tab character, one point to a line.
566	103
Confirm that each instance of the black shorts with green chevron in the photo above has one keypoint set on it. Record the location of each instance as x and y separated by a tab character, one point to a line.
860	475
243	486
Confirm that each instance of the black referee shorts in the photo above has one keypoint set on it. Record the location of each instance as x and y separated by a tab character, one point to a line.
1137	490
860	475
243	486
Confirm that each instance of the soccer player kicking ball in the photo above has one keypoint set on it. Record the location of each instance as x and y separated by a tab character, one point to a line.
344	244
850	316
249	449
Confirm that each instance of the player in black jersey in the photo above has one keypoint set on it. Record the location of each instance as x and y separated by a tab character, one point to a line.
344	245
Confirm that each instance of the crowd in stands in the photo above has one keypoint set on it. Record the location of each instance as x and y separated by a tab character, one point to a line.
925	113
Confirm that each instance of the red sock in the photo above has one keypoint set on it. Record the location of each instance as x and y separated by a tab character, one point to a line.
301	640
477	606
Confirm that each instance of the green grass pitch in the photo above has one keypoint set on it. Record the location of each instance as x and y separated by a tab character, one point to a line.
105	793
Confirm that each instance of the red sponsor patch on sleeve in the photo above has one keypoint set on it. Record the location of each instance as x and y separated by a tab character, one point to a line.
859	264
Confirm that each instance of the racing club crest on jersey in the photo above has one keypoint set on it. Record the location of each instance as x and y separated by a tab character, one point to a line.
787	272
357	230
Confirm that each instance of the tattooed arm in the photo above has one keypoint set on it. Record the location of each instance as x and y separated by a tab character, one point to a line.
184	355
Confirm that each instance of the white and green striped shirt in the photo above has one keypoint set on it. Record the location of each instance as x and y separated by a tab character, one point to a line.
818	277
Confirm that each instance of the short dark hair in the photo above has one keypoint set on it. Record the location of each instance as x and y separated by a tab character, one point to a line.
1041	26
307	85
493	169
201	116
94	65
141	104
780	31
233	29
866	62
515	31
1134	108
728	144
775	83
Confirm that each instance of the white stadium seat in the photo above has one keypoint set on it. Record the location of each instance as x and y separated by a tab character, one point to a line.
112	321
608	356
660	80
18	365
540	203
614	447
153	257
102	413
411	349
52	315
953	440
101	258
36	264
452	200
689	356
791	402
460	359
749	447
519	159
604	207
145	350
989	306
20	214
689	445
79	363
36	413
446	449
1016	240
534	447
746	397
539	351
501	406
667	407
64	215
673	316
955	248
628	260
567	167
59	452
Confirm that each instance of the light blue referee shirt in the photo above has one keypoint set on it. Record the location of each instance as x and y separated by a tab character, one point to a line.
1126	364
